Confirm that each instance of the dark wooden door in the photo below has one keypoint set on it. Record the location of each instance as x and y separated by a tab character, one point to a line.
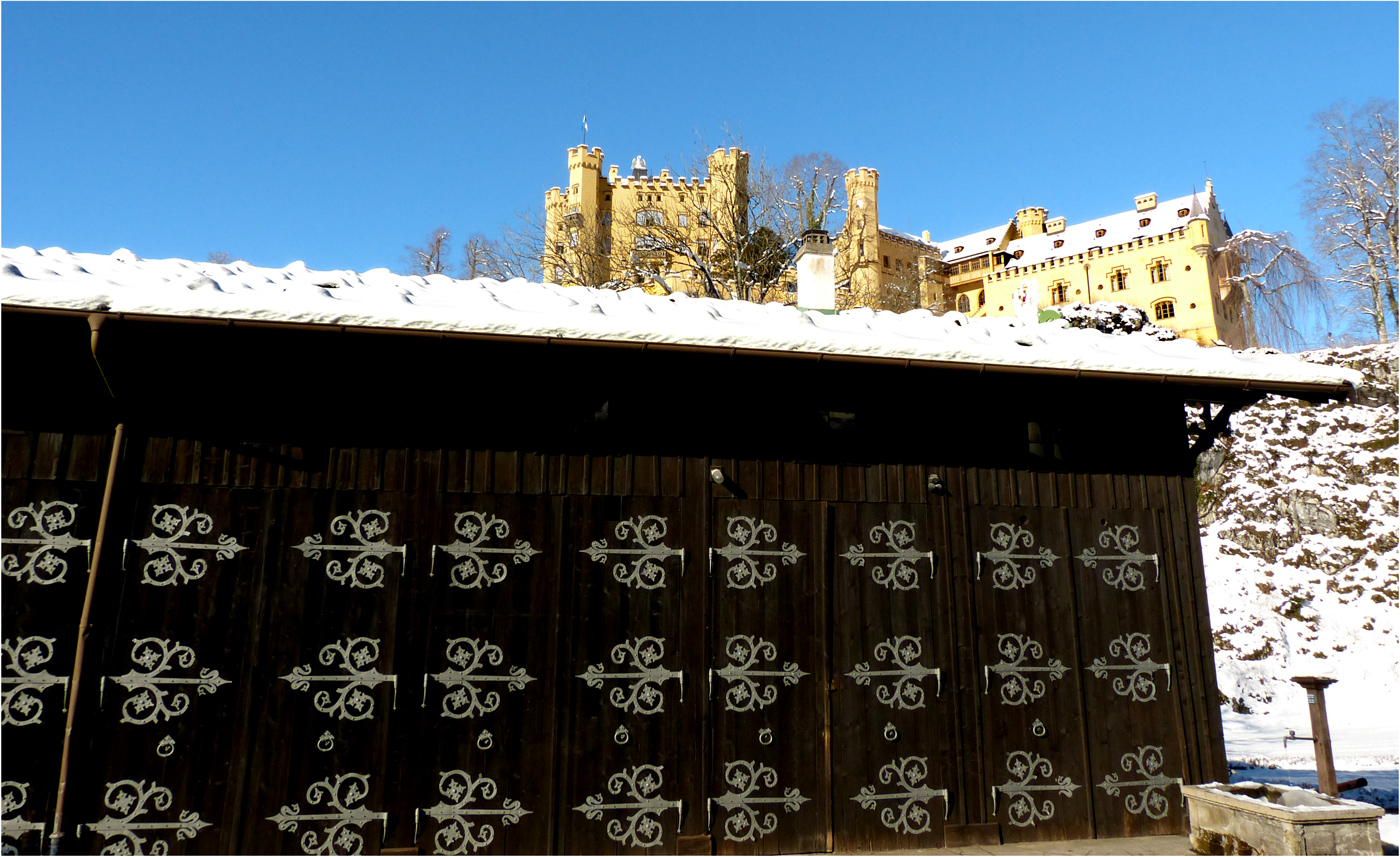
479	758
632	753
893	713
769	774
1032	708
330	681
1134	728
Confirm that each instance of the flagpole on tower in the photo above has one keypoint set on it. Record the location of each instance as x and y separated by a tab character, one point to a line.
585	127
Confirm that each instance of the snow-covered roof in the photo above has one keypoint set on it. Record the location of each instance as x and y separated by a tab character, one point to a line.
1118	228
126	284
972	245
907	236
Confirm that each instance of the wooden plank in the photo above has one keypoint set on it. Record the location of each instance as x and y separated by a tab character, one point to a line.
1194	725
346	469
456	469
772	479
672	475
646	477
245	470
155	466
483	472
47	455
621	475
966	678
534	473
395	469
1183	492
86	462
369	473
505	469
18	450
600	475
577	478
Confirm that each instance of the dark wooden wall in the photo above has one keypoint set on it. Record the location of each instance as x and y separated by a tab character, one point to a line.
249	749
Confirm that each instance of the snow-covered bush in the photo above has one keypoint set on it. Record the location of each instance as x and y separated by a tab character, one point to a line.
1113	317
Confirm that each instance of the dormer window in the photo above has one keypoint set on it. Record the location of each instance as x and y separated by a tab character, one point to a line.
1059	242
1182	212
1019	253
1099	233
958	249
1145	221
991	241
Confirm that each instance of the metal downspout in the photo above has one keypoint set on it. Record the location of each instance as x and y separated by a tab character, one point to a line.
85	621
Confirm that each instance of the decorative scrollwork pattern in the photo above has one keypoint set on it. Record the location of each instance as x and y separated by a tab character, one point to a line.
748	820
906	692
149	699
911	815
899	537
1146	761
476	569
1019	686
1026	767
465	698
22	684
457	836
640	785
13	797
647	570
644	695
133	799
1123	569
1140	684
1012	570
340	797
172	522
352	701
753	566
744	691
44	564
364	570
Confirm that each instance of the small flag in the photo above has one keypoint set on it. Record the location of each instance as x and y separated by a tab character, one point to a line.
585	122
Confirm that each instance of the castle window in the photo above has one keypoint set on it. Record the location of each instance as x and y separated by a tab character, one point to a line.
991	241
1182	212
559	249
887	261
607	246
1059	242
704	217
649	242
964	305
573	238
1159	271
1019	253
958	249
1145	221
860	249
1164	310
682	220
607	218
649	218
981	299
898	265
1099	233
1059	293
1118	281
703	247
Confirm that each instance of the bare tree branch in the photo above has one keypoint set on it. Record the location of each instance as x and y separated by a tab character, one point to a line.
431	256
1279	287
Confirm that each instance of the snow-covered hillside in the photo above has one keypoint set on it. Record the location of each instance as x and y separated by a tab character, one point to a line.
1300	535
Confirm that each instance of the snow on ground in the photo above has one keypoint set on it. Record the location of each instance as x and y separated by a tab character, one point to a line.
1301	540
124	282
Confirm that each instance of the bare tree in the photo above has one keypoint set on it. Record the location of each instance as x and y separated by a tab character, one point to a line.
813	191
430	257
219	257
1279	289
484	257
1349	194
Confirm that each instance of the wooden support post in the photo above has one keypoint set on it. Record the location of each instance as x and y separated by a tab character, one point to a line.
1322	737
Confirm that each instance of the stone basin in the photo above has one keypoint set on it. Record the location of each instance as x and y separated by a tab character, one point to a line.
1258	818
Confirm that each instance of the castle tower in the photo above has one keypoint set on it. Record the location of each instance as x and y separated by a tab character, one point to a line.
863	230
1031	221
585	170
728	187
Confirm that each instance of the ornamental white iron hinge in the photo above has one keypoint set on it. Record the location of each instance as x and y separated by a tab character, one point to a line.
1140	685
476	570
166	567
1012	570
13	797
456	835
744	823
133	798
149	699
364	570
352	701
44	564
743	692
907	692
1122	570
1026	767
911	816
22	706
1146	761
341	797
465	698
1019	687
647	570
644	695
744	535
901	572
643	827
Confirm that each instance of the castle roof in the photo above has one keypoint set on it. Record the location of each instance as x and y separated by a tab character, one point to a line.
1118	228
972	245
239	294
907	236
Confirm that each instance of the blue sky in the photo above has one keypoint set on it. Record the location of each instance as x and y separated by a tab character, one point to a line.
337	133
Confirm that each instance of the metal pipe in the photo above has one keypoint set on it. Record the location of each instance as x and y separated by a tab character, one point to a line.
84	630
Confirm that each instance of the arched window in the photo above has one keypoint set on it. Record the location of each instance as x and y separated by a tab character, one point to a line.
964	305
1059	292
1159	271
649	218
1118	281
1164	309
981	299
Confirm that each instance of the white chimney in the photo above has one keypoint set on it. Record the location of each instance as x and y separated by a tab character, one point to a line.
816	272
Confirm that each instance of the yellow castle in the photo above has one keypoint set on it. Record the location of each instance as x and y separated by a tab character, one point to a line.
659	231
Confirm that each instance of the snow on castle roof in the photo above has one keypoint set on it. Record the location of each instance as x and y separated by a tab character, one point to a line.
124	283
